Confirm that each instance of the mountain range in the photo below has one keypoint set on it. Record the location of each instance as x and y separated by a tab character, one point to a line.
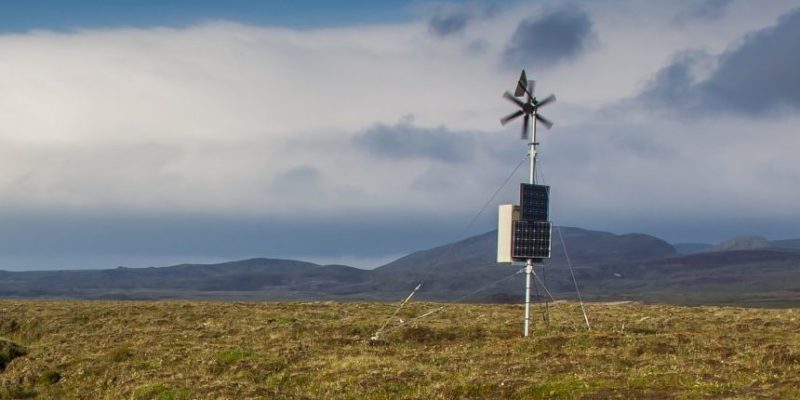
744	271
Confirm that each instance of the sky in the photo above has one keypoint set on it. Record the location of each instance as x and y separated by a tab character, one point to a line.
151	133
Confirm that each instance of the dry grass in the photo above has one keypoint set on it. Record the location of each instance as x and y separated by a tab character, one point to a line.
225	350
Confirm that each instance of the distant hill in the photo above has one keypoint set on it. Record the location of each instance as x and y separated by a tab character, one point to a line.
750	242
752	277
255	278
737	243
691	248
460	268
787	244
607	267
610	267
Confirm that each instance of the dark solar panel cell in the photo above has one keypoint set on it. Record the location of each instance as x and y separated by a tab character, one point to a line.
534	201
530	239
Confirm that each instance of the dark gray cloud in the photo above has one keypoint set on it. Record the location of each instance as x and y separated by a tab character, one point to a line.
674	84
404	140
704	10
446	24
758	76
554	37
453	18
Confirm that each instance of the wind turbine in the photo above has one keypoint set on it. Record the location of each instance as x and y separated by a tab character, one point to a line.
529	107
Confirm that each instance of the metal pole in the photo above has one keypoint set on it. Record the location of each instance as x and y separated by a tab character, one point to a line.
529	266
528	272
532	177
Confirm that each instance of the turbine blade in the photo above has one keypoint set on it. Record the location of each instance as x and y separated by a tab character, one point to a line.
508	96
547	100
525	123
546	122
520	91
510	117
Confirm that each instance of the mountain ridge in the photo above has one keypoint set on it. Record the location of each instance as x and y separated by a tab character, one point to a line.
608	267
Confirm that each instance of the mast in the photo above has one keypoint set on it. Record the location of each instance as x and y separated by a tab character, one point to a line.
534	230
529	263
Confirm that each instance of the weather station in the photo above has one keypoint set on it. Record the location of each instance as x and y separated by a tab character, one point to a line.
524	231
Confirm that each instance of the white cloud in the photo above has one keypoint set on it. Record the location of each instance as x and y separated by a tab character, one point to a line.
213	118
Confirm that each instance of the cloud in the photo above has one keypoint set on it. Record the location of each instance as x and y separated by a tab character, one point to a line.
219	118
703	10
675	179
555	37
223	140
756	77
443	24
301	180
451	19
674	83
303	173
404	140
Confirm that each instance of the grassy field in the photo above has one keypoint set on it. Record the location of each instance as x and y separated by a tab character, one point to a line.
322	350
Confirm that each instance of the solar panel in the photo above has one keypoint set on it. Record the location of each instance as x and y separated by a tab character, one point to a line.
534	201
530	239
